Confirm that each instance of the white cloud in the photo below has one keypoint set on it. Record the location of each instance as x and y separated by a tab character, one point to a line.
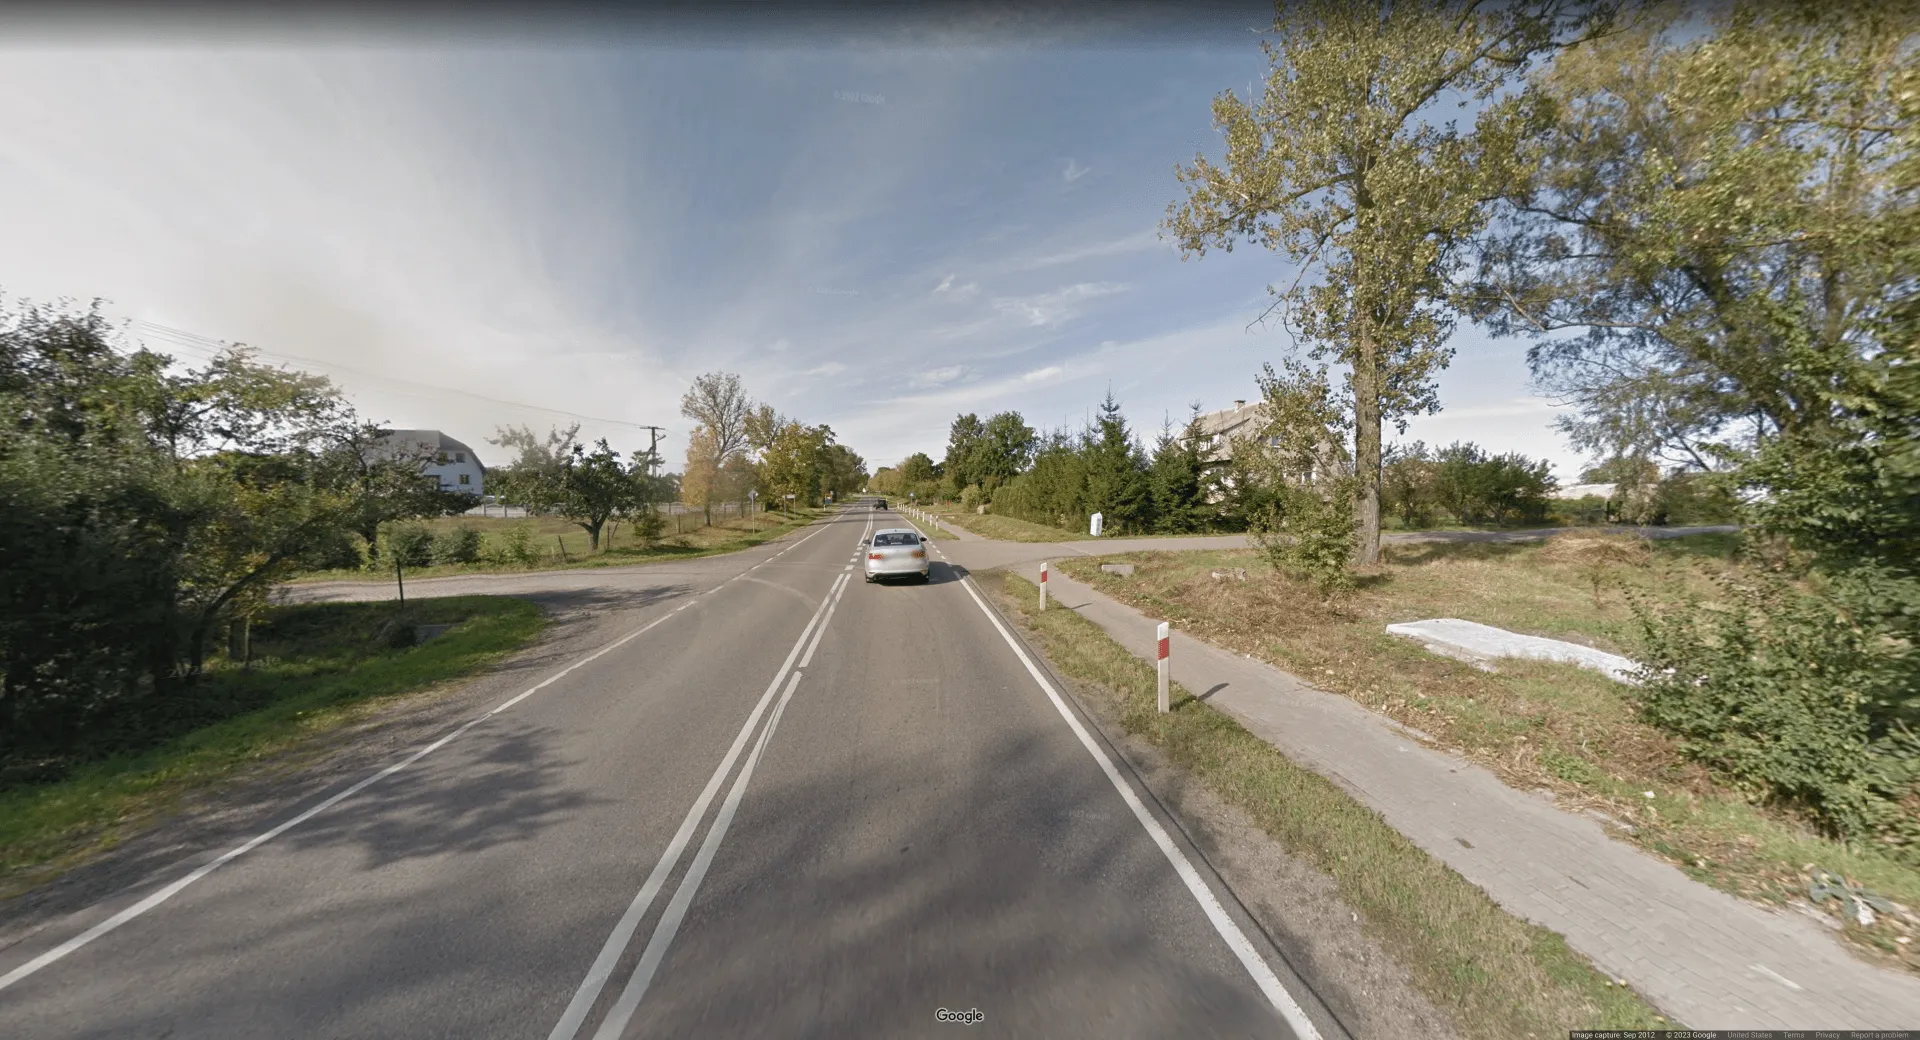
1139	241
1040	375
831	368
1054	308
958	292
939	376
1074	171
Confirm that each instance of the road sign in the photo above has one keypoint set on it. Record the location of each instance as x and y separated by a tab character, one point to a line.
789	497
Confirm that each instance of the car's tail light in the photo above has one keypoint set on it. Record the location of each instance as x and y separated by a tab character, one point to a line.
919	554
876	556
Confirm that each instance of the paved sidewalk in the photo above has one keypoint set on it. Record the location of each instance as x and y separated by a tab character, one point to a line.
1705	958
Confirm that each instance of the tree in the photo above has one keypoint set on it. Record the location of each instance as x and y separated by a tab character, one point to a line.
533	476
1713	226
719	404
963	444
593	488
1175	491
917	473
843	471
1339	166
791	464
1116	480
1005	448
388	478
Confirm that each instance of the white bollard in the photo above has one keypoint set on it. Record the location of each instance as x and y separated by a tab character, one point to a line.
1043	585
1164	684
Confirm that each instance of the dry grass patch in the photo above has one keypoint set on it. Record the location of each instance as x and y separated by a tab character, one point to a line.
1502	977
1536	725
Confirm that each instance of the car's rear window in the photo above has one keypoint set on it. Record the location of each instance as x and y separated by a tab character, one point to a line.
896	539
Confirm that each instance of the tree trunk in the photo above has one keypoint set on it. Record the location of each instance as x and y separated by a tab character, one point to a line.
593	535
1366	450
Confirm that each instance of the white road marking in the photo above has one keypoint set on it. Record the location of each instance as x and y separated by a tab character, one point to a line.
1763	969
839	587
1236	940
663	934
596	979
177	887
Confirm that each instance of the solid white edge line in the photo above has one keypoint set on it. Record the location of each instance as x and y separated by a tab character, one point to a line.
1236	940
670	920
171	890
603	964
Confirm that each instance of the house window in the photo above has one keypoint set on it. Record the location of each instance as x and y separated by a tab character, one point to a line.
460	456
440	459
466	478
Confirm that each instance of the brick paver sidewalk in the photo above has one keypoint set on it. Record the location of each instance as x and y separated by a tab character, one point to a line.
1705	958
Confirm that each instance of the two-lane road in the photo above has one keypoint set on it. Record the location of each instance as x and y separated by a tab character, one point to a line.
769	800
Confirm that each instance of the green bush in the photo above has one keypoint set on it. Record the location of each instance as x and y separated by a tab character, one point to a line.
971	497
647	526
1480	488
515	546
460	545
410	544
1800	694
1587	509
1309	534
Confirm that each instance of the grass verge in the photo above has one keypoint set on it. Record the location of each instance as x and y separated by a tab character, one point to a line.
1502	977
563	546
1006	528
1536	725
316	668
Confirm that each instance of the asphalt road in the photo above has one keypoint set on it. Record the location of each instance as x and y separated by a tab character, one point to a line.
753	797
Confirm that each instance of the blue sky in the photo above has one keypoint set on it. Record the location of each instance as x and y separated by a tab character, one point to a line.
876	226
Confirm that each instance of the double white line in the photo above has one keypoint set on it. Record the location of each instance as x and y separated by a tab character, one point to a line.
669	924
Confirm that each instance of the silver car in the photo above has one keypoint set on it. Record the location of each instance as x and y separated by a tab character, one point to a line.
896	552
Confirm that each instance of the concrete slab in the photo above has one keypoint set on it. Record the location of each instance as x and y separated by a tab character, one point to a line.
1480	645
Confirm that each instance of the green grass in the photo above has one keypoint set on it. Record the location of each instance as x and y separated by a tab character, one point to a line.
1005	528
561	545
1534	724
316	668
1504	979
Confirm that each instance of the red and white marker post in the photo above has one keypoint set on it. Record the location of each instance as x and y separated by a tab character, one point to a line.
1164	640
1043	585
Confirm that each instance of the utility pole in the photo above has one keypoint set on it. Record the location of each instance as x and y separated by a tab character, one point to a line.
653	445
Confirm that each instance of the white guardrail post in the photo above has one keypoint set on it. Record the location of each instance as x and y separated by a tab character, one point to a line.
1043	585
1164	640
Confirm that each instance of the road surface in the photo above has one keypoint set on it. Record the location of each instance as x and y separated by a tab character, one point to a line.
743	796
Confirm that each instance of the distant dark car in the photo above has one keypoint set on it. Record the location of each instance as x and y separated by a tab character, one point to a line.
882	504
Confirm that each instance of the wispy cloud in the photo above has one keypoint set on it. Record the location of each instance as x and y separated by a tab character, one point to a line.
1139	241
831	368
958	292
938	377
1041	375
1074	171
1054	308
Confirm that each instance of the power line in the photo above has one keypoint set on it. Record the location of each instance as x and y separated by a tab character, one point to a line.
181	337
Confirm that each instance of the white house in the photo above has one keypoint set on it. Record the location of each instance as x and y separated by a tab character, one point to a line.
452	463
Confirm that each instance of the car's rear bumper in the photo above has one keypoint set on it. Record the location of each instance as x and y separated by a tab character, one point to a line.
890	569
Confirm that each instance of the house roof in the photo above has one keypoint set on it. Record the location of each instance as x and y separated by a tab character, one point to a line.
1240	420
439	441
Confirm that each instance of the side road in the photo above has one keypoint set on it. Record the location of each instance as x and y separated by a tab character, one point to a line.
1706	958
